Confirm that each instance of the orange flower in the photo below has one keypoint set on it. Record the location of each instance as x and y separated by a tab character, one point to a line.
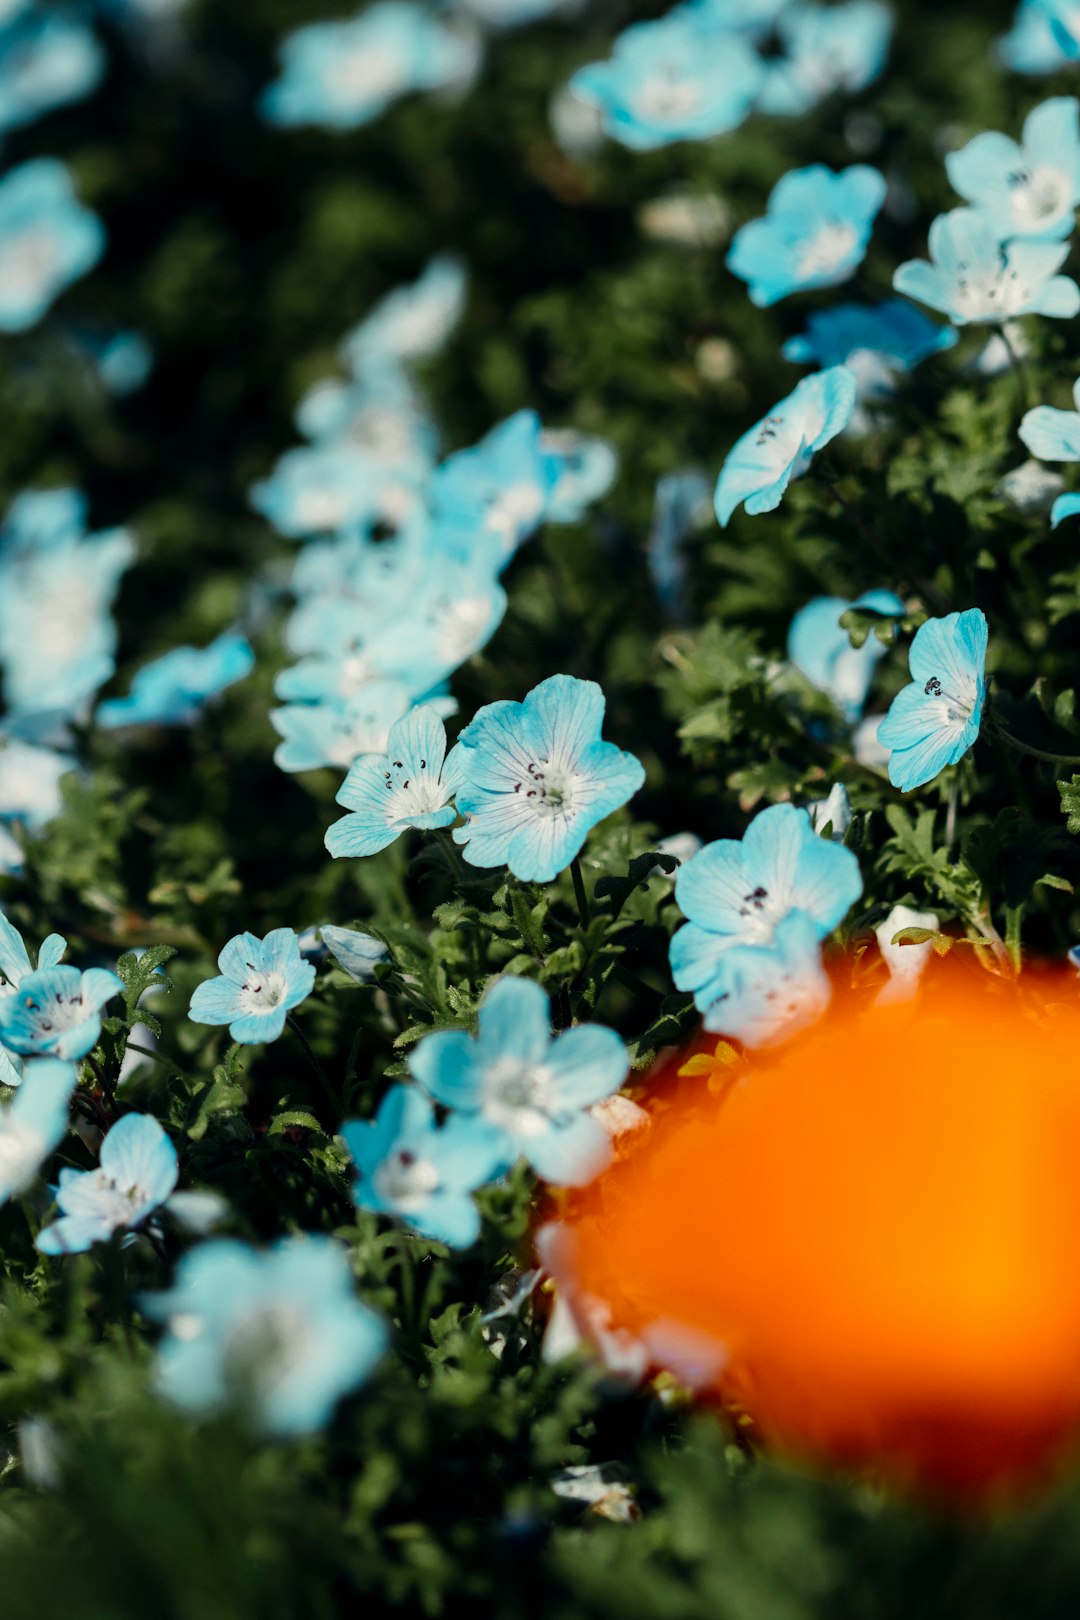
877	1227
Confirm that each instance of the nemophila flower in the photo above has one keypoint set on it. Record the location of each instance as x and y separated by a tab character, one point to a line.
771	993
833	814
814	233
261	981
866	747
340	75
905	963
671	80
30	777
780	447
736	892
1026	188
33	1122
824	49
874	341
534	777
15	966
821	648
1066	506
46	61
172	690
973	277
1033	44
1029	488
934	721
47	240
336	731
1054	435
136	1173
585	469
408	786
497	492
357	954
56	1011
278	1332
409	1168
532	1088
411	322
328	487
39	518
680	504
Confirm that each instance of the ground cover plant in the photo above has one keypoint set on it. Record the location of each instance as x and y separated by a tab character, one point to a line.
536	538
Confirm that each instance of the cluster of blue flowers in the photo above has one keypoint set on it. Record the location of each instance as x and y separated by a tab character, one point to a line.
701	69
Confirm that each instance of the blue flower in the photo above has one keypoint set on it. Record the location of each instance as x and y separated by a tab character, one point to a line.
406	1167
261	981
124	361
1066	506
824	49
772	992
1054	435
341	75
357	954
46	61
278	1332
137	1172
56	1011
47	240
336	730
411	785
496	493
15	966
815	232
1029	188
681	504
585	469
33	1123
873	340
736	893
761	465
57	636
671	80
30	778
934	721
820	647
1034	44
533	1089
974	277
534	777
331	486
171	691
411	322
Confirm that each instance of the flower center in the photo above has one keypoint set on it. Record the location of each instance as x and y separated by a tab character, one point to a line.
951	707
57	1012
1037	194
546	789
667	96
405	1180
28	261
989	295
366	73
121	1206
415	789
828	250
260	992
267	1344
518	1096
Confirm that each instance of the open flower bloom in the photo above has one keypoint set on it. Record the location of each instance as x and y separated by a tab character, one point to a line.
410	786
877	1231
824	49
1027	188
15	966
409	1168
278	1332
56	1011
534	777
172	690
735	895
261	981
973	277
934	720
821	648
531	1088
815	232
137	1171
32	1124
874	341
672	79
761	464
47	240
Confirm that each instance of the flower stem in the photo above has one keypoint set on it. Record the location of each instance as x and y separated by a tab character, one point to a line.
317	1068
1036	753
1019	370
579	892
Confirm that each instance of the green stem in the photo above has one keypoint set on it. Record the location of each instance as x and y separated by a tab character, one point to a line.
579	893
158	1057
317	1069
1019	370
1036	753
1014	917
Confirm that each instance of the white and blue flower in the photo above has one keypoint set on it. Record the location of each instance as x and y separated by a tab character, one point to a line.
934	720
410	786
534	777
46	60
874	341
33	1123
814	233
973	277
47	240
1054	435
277	1332
408	1167
56	1011
824	49
761	465
772	993
1026	188
137	1171
532	1088
356	954
261	981
821	648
